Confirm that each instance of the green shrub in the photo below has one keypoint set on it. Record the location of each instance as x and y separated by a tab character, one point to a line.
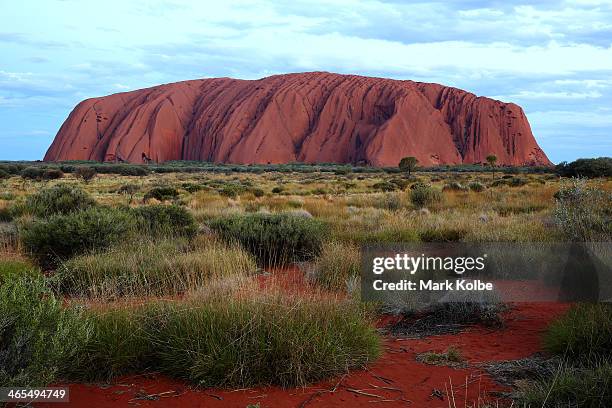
39	337
162	193
584	331
423	195
477	186
517	182
273	238
165	220
32	173
583	212
385	186
4	174
277	190
58	199
151	269
290	341
61	236
258	192
52	174
85	173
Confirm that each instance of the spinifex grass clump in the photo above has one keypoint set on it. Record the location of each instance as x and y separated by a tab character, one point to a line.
424	195
152	269
232	341
337	267
38	336
275	239
58	199
571	386
585	331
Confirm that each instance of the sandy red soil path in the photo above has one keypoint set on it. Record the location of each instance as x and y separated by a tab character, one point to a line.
396	380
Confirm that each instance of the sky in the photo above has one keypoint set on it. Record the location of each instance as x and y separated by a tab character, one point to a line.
554	58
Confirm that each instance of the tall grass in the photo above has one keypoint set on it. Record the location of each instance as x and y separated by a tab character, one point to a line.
149	268
244	339
337	267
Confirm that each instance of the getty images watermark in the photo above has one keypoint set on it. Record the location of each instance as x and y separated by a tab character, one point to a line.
422	273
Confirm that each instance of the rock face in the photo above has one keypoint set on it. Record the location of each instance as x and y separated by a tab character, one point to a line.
309	117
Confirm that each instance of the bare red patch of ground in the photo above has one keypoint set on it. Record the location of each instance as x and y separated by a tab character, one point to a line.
395	380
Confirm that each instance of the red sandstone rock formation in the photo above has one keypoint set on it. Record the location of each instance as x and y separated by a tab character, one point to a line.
310	117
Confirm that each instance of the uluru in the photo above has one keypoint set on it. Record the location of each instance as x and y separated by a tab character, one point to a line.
314	117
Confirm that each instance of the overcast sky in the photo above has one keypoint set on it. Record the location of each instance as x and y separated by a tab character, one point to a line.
553	58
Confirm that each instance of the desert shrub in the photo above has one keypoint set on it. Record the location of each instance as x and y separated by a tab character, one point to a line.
337	266
570	386
452	356
151	269
61	236
454	186
58	199
402	183
589	168
39	337
4	174
85	173
442	234
277	190
6	214
477	186
385	186
52	174
192	188
584	331
583	212
232	190
32	173
423	195
517	182
165	220
273	238
258	192
162	193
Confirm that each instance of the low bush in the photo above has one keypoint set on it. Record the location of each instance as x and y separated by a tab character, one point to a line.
151	269
162	193
338	266
291	341
39	336
277	190
52	174
386	186
275	239
585	331
58	199
258	192
32	173
165	220
85	173
61	236
231	190
423	195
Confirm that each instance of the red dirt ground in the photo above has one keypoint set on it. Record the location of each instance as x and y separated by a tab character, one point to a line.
395	380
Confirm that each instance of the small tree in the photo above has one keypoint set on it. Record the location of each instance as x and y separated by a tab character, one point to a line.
86	173
408	164
492	159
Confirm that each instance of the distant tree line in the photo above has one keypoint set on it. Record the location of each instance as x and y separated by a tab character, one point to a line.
589	168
